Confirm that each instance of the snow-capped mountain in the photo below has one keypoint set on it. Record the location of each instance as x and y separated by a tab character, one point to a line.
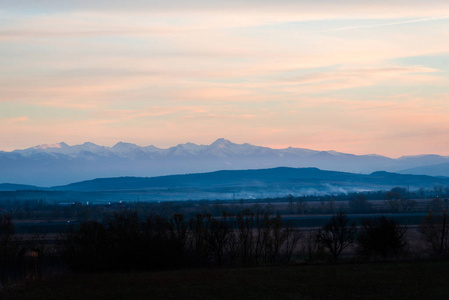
57	164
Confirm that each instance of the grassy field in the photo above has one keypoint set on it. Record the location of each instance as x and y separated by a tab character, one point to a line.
406	280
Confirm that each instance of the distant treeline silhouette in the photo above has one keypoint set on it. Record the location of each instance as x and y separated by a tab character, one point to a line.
123	242
84	207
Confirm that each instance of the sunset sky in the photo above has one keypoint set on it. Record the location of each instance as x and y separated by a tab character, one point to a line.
352	76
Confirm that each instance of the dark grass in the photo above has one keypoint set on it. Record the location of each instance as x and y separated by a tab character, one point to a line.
405	280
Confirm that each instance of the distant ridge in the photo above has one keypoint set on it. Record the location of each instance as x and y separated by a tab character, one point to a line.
281	178
17	187
58	164
432	170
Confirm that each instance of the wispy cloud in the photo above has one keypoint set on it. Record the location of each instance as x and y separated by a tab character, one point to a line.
388	24
12	121
165	72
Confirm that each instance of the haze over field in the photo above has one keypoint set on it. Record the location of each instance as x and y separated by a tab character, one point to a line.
357	77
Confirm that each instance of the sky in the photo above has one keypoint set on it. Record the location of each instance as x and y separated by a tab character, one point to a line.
359	76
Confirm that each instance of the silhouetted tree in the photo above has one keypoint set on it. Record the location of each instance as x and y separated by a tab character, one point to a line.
435	230
277	237
327	205
6	235
245	223
438	190
312	248
293	237
231	247
422	192
397	200
359	204
262	235
124	242
217	236
199	227
302	207
87	248
290	200
161	244
436	205
381	237
178	234
337	234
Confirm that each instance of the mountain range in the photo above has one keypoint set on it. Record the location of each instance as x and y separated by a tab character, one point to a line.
60	164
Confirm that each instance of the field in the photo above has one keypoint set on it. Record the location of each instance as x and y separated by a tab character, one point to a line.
405	280
37	227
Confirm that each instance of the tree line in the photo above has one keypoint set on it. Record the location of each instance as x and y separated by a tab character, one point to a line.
123	242
396	200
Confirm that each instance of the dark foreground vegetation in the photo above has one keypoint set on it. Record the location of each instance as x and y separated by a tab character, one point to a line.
406	280
247	238
125	242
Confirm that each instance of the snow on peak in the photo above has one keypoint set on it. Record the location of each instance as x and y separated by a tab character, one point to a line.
187	148
89	144
124	145
222	143
127	150
49	146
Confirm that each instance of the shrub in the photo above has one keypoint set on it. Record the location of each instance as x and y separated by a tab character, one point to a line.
381	237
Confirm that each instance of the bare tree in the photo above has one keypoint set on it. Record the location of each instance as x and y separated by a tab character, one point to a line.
337	234
199	227
327	206
438	190
422	192
6	234
217	237
231	247
435	230
292	239
245	225
302	207
311	246
277	236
